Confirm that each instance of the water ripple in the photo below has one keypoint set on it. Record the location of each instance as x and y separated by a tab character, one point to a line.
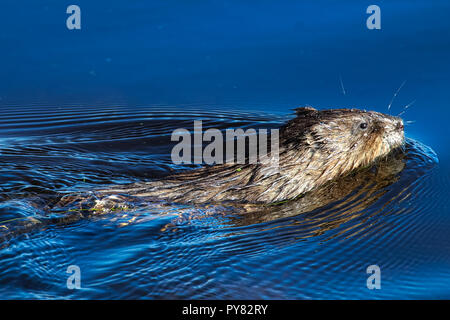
397	221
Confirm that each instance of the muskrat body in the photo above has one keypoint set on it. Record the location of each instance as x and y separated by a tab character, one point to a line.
315	147
320	153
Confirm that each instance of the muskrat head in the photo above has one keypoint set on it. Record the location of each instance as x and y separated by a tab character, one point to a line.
348	137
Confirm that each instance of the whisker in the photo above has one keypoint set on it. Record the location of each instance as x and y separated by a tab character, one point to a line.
342	84
395	94
409	122
406	107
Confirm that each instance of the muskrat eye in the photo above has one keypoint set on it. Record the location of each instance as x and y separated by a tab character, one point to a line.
363	125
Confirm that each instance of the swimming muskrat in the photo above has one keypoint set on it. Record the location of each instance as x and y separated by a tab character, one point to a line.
315	147
323	155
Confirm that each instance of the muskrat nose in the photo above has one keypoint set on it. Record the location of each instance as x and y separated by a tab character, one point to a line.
399	125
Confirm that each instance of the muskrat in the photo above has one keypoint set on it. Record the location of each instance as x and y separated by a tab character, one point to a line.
322	156
315	147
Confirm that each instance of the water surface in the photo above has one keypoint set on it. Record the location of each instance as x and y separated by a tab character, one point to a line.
88	108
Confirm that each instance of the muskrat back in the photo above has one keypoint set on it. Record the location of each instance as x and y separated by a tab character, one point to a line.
315	147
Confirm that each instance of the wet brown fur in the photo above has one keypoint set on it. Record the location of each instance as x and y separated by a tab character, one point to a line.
315	148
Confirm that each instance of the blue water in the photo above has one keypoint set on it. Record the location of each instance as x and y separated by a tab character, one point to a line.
87	108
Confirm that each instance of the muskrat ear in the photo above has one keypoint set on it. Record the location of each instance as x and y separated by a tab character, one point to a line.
305	111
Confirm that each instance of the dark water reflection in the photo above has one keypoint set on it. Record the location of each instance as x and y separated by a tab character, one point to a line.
316	247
